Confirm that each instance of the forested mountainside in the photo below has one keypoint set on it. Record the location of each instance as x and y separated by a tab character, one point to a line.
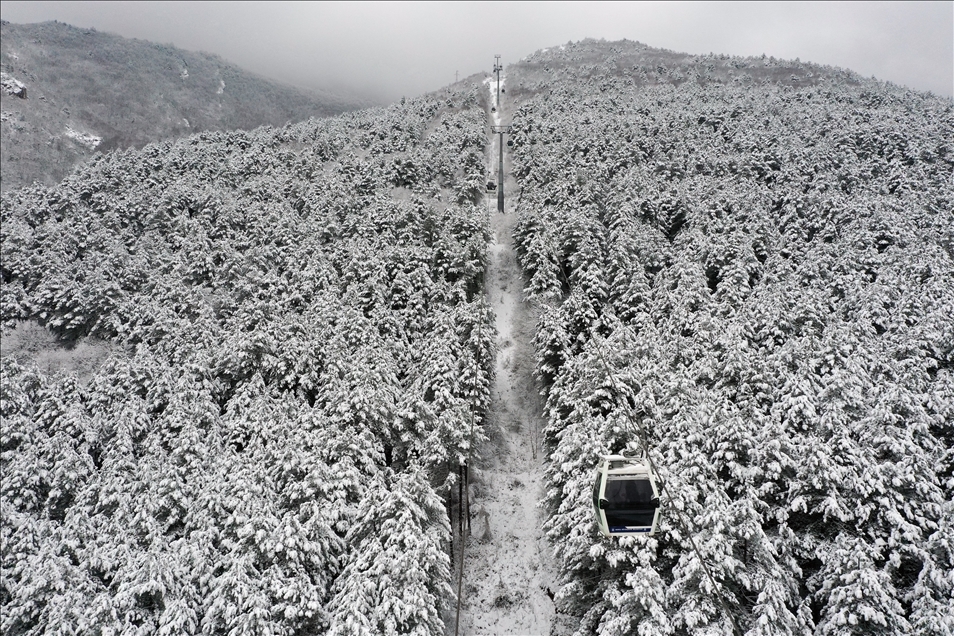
303	350
753	261
70	92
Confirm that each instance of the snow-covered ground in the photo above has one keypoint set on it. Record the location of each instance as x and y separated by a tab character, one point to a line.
509	577
12	86
491	83
86	139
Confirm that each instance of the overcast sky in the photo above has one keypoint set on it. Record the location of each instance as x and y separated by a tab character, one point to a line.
388	50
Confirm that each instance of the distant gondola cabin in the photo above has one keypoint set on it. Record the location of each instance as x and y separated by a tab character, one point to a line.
625	497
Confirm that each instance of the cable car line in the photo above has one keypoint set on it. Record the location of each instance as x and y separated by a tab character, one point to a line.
662	488
491	186
644	444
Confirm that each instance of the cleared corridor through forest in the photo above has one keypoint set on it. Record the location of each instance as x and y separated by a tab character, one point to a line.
508	578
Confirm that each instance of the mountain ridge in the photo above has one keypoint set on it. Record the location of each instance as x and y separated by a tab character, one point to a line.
85	91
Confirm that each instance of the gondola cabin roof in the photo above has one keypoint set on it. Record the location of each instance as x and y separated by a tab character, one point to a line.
620	465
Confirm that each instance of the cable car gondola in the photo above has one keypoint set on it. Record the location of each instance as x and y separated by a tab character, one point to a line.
491	186
625	497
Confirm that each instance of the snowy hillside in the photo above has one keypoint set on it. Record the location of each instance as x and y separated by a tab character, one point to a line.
301	345
753	261
69	92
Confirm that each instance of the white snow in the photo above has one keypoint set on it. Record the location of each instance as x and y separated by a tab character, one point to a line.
184	74
11	85
221	87
491	83
508	574
87	139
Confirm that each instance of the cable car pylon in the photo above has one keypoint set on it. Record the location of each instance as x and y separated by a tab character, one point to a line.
500	131
497	68
466	486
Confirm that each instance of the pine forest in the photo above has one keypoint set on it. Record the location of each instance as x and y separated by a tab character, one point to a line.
741	267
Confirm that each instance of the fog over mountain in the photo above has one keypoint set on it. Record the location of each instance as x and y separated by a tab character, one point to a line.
388	50
70	92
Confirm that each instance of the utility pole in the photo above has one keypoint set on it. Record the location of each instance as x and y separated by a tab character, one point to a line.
497	69
500	131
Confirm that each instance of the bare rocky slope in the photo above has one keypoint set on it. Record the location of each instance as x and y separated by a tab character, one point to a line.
70	92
